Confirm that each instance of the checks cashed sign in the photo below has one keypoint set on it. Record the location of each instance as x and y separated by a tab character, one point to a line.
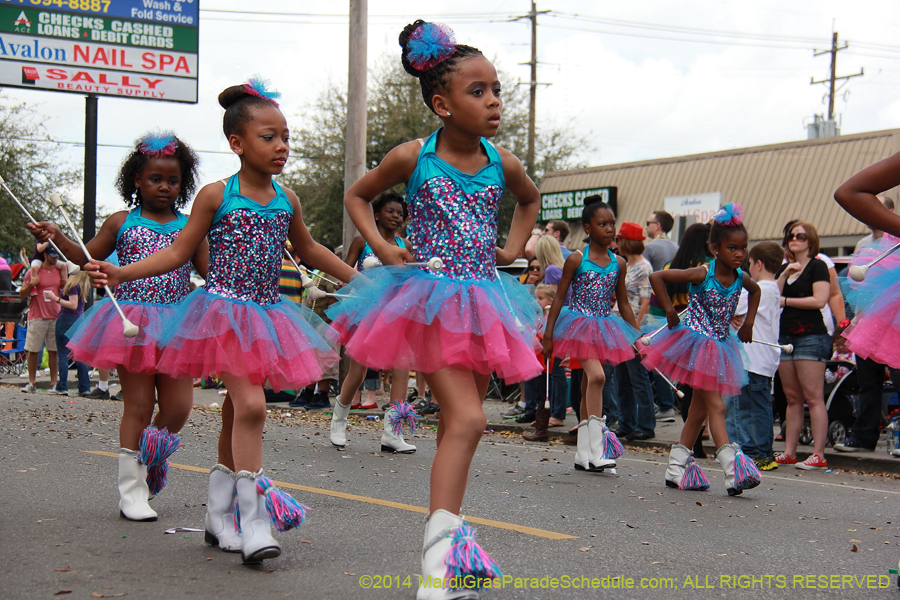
125	48
567	206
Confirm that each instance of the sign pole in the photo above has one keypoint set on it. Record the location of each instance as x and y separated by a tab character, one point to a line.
90	168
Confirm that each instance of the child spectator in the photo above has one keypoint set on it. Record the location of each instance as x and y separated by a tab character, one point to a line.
749	416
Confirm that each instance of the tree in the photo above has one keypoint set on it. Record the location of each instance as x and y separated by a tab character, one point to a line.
32	166
397	114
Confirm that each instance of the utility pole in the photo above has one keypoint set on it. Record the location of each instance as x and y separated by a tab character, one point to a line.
533	83
355	152
833	78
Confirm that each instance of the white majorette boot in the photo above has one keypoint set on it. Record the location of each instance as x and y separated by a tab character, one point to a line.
454	566
157	445
134	495
741	473
583	448
683	471
597	433
219	520
392	438
339	424
260	505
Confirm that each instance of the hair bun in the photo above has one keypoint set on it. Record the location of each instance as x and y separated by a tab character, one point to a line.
730	215
256	87
425	45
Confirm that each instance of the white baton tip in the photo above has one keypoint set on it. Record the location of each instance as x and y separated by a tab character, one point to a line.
129	329
56	200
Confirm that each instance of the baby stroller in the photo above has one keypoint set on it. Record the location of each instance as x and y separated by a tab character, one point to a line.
12	333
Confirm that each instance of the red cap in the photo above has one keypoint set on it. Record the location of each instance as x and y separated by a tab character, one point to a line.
631	231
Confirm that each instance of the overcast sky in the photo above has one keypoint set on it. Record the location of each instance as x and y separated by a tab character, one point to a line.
646	79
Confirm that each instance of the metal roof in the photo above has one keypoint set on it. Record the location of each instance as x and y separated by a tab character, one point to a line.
774	183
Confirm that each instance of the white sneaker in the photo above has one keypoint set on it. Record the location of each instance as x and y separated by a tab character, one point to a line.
57	392
29	388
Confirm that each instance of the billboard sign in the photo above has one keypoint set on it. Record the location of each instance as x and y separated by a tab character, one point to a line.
124	48
567	206
701	206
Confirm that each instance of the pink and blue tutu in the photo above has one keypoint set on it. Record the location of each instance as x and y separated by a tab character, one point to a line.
701	352
408	318
284	343
97	338
876	301
697	360
607	339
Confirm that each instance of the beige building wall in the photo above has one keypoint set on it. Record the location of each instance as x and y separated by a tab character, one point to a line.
774	183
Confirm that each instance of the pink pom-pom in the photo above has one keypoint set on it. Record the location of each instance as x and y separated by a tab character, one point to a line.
694	478
157	445
285	512
468	558
257	86
746	473
730	215
158	143
403	412
612	447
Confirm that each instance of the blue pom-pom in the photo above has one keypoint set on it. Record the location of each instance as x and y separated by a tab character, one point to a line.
746	473
730	215
285	512
158	143
158	477
467	558
429	45
259	87
157	445
612	447
694	478
402	412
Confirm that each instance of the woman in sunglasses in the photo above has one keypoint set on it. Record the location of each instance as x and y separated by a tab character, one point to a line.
805	288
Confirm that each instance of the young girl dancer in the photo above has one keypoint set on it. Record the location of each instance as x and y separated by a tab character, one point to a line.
877	297
157	179
462	323
238	327
588	331
390	213
698	350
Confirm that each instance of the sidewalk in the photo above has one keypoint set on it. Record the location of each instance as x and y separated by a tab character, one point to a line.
666	433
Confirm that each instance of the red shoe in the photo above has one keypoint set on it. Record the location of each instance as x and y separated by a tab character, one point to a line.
813	463
784	459
368	406
356	406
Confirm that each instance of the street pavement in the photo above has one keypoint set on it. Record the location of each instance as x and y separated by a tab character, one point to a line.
816	535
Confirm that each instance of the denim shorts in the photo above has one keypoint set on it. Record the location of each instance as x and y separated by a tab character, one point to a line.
815	346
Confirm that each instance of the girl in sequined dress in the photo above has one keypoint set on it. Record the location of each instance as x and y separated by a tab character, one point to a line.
466	321
238	326
157	179
390	213
700	351
588	331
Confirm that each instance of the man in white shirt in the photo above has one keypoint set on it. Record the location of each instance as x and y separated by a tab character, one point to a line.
876	233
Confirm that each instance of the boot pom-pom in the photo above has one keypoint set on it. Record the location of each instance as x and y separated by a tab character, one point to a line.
746	473
285	512
157	445
158	477
612	447
403	412
467	558
694	478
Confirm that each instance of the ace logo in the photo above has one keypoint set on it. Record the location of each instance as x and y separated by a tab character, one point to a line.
22	24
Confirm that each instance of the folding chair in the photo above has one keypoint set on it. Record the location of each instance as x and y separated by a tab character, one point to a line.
12	356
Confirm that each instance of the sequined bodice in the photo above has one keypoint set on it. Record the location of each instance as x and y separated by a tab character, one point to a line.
245	246
712	305
594	287
454	216
137	239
